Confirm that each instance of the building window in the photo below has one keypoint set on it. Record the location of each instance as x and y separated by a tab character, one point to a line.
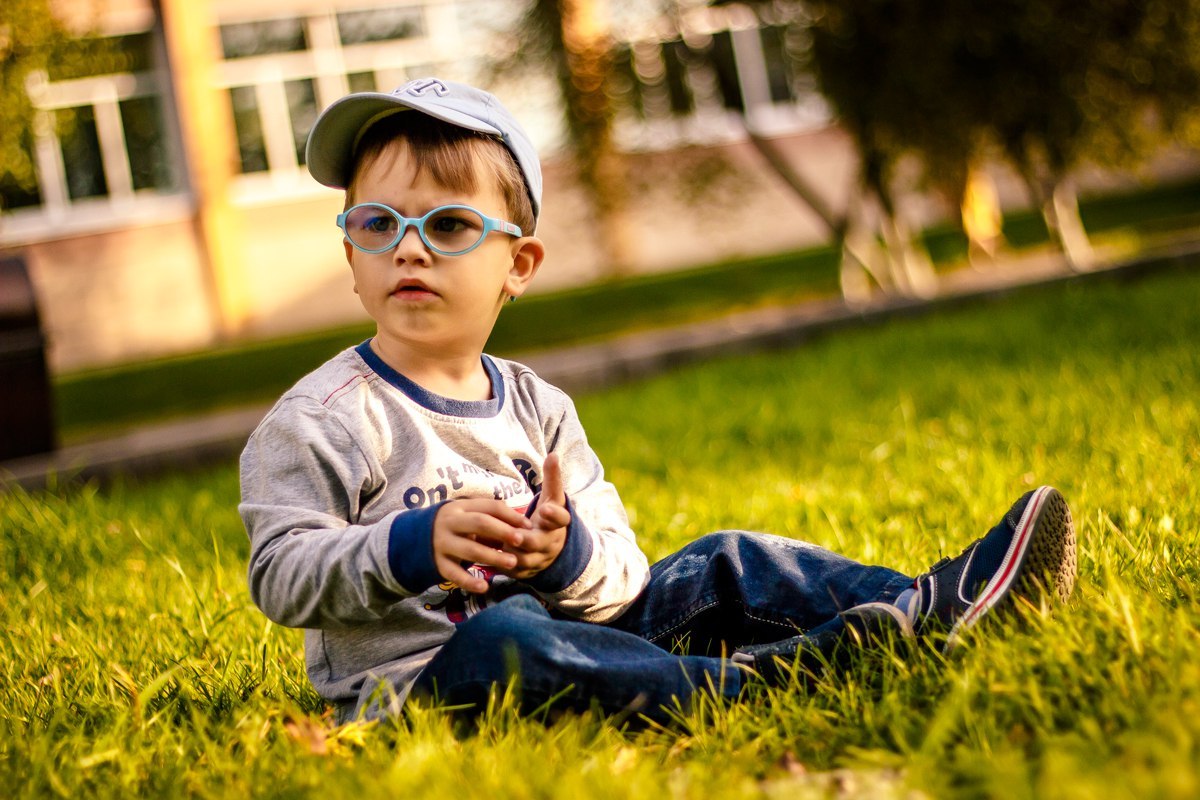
110	55
246	39
302	112
99	138
81	154
780	63
690	81
381	24
248	129
281	73
362	82
149	157
16	194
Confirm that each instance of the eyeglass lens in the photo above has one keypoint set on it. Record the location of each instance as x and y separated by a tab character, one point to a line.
447	230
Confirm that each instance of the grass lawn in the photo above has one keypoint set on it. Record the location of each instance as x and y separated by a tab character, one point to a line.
131	660
90	402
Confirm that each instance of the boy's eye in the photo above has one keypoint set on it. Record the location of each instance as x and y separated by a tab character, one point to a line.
453	222
372	220
379	224
446	224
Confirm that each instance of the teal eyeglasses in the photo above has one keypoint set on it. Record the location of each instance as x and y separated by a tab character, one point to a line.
447	230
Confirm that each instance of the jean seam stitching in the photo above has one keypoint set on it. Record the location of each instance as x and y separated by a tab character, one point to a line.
683	621
753	613
746	609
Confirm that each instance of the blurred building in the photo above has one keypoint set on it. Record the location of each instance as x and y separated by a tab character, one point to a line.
175	211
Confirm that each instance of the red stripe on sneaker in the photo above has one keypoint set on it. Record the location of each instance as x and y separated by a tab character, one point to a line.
998	586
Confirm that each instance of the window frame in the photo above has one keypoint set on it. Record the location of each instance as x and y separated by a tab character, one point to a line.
58	216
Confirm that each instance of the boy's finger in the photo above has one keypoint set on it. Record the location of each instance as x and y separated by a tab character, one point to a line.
463	579
552	484
510	515
498	510
490	529
552	515
476	553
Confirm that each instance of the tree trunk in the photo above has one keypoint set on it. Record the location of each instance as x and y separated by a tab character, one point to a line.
911	267
1062	217
910	273
861	257
585	67
1060	209
796	182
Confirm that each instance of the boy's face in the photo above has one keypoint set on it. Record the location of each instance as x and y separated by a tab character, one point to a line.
426	304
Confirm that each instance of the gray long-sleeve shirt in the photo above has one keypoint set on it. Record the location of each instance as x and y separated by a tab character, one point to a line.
340	485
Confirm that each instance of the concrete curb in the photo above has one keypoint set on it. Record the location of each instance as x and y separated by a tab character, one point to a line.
200	440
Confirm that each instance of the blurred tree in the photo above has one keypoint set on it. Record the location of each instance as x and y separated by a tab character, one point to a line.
29	35
1066	87
876	65
35	44
1049	83
851	51
572	36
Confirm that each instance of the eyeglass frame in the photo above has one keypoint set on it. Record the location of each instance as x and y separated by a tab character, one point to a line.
489	224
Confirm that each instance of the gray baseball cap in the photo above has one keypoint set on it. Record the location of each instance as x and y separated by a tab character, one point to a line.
337	132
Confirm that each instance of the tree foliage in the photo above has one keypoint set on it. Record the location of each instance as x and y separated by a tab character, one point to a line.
29	36
34	41
1051	83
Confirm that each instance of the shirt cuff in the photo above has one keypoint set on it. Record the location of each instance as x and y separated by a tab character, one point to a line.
410	549
571	561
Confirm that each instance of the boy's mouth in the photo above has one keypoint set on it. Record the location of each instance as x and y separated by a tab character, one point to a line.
411	288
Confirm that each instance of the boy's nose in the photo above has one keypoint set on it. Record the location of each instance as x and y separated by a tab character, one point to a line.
411	248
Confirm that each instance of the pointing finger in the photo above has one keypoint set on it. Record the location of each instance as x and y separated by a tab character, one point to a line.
552	484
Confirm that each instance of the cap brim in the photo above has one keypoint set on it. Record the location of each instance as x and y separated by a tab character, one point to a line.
336	133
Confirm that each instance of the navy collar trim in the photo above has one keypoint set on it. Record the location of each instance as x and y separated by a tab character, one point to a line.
435	402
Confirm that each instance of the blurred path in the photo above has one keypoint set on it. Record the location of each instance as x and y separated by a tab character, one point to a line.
221	435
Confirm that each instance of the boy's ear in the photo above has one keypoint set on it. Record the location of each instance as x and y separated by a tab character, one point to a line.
528	253
350	252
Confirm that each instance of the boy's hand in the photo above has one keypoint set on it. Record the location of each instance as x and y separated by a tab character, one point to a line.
540	546
475	532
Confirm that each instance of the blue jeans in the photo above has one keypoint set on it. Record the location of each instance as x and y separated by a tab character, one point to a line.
720	592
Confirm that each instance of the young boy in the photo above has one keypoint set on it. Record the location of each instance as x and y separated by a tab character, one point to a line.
436	521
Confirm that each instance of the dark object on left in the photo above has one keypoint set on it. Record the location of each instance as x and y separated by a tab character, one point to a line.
26	404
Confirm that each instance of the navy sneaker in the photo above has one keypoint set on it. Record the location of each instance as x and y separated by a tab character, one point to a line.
831	645
1029	554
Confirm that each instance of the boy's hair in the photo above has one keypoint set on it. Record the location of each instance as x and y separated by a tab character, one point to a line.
448	154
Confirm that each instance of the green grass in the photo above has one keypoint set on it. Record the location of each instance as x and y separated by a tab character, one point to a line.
93	401
261	371
132	662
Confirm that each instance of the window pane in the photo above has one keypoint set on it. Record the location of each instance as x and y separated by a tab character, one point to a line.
362	82
18	181
83	58
381	24
628	84
81	153
779	63
725	65
251	147
257	38
302	108
145	143
676	56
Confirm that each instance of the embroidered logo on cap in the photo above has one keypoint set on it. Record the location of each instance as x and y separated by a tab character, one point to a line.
419	87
